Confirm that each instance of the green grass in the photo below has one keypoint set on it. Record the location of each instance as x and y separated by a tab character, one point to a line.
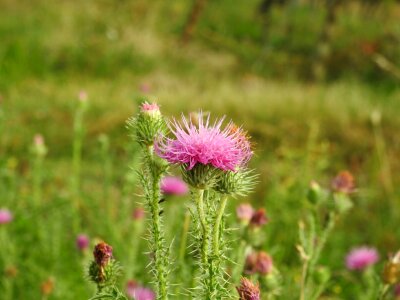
301	131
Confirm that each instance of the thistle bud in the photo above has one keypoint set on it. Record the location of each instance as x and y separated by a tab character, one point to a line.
101	269
258	262
343	183
314	192
148	124
102	254
248	290
391	271
244	213
82	242
322	275
238	183
259	218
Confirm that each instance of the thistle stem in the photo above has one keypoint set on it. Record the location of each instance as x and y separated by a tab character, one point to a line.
204	226
160	251
217	224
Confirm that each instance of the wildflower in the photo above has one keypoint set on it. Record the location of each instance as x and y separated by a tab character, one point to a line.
258	262
82	96
102	254
248	290
343	183
137	292
391	271
138	213
82	242
47	287
173	186
204	144
244	212
150	109
361	258
5	216
259	218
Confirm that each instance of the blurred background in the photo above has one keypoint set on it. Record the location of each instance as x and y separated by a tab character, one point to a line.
315	82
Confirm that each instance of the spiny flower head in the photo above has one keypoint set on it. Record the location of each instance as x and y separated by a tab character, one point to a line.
248	290
82	242
244	212
173	186
5	216
343	183
102	254
205	144
362	257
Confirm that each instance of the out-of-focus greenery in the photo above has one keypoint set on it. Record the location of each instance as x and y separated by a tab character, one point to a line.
115	50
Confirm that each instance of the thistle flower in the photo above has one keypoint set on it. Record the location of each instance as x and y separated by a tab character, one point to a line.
258	262
102	254
150	108
244	212
5	216
238	183
362	257
82	242
396	292
259	218
204	144
248	290
138	213
343	183
82	96
173	186
137	292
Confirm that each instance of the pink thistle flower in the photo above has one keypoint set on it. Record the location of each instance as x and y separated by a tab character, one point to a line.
362	257
102	254
138	213
5	216
82	242
258	262
244	212
137	292
248	290
83	96
204	144
173	186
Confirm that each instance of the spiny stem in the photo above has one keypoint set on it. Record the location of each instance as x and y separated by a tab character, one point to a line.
158	236
217	224
204	226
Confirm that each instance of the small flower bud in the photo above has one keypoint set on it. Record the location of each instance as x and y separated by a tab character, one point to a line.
343	183
82	242
322	275
138	213
244	213
102	254
258	262
259	218
238	183
5	216
247	290
314	192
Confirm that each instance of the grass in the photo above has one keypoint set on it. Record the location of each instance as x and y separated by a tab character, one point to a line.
302	131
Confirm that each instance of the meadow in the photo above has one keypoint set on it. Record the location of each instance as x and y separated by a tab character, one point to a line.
72	73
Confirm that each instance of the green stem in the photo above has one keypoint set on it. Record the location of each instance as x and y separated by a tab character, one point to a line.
383	291
160	251
204	226
217	225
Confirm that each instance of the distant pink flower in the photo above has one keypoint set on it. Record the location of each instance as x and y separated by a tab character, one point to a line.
362	257
343	183
137	292
82	242
173	186
83	96
248	290
206	144
145	88
258	262
138	213
244	212
259	218
5	216
38	140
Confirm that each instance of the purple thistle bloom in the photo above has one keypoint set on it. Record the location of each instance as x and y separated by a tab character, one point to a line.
362	257
224	148
5	216
173	186
137	292
82	242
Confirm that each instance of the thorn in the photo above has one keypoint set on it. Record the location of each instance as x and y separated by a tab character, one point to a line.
162	200
160	213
